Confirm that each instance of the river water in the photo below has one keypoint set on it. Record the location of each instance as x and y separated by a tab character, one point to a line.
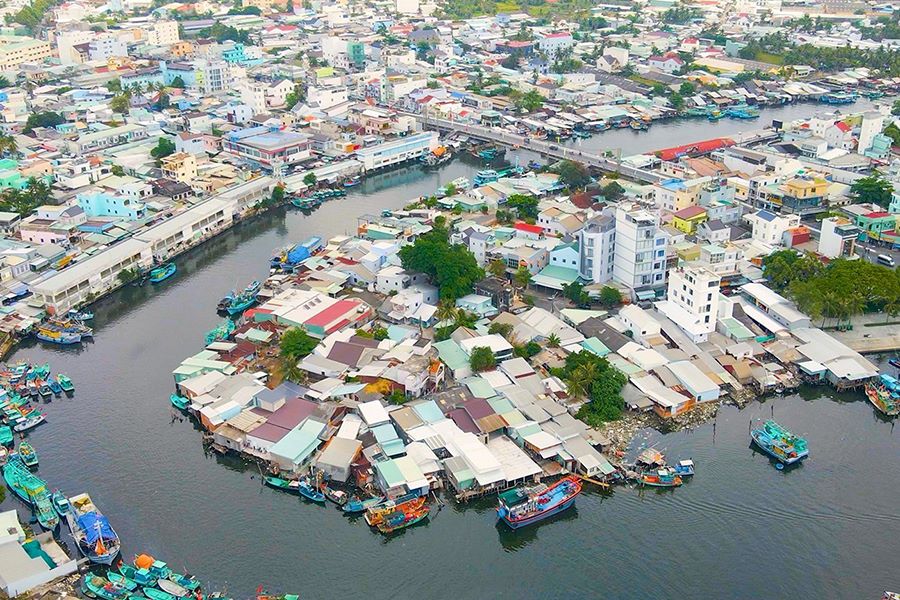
741	529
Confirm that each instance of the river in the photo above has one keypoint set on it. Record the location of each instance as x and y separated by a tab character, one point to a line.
741	529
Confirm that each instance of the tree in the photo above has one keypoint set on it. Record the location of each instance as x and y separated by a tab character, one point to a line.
446	311
43	119
177	82
575	292
522	277
117	170
164	147
503	329
296	96
526	207
687	89
553	340
497	268
893	132
895	109
573	174
310	179
612	192
120	103
530	101
396	397
482	359
163	102
451	267
676	100
295	344
610	296
8	146
35	193
4	82
277	196
874	188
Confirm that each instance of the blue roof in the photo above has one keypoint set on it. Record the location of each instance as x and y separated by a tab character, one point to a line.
765	215
429	412
300	442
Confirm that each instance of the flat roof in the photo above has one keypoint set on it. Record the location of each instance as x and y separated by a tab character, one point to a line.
85	269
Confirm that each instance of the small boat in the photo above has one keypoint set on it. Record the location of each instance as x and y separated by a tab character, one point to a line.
357	506
339	497
65	333
310	493
352	182
55	387
65	383
376	514
485	176
28	454
156	594
285	485
96	538
684	468
780	443
80	315
60	503
661	478
122	581
157	568
179	402
139	576
241	303
6	436
45	391
4	455
884	395
160	274
402	519
188	582
894	362
95	586
534	165
169	586
306	203
525	506
32	490
29	422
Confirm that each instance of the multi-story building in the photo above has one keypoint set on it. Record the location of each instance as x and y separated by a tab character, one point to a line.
597	248
769	228
180	166
102	204
397	151
801	195
201	75
677	194
692	301
163	33
552	44
104	47
17	49
268	147
640	256
838	238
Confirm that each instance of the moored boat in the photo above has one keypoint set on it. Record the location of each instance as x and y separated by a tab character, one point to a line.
402	519
525	506
29	422
376	514
163	272
188	582
121	580
660	478
60	332
60	504
157	594
357	505
884	395
32	490
169	586
44	390
310	493
96	538
780	443
139	576
54	387
65	383
684	468
285	485
95	586
339	497
28	454
353	181
6	436
179	402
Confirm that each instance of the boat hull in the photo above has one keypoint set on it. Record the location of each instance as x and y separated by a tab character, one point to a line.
782	459
518	524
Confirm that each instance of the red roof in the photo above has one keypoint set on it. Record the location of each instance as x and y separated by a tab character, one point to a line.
338	309
560	34
529	228
689	212
703	147
842	126
878	215
517	44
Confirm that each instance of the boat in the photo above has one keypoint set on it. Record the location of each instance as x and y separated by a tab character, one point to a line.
121	580
54	387
353	181
485	176
29	422
535	165
376	514
32	490
80	315
28	454
288	258
44	390
66	333
157	568
437	157
715	115
179	402
140	576
664	477
884	394
310	493
95	537
402	519
157	594
285	485
4	455
61	504
169	586
780	443
894	362
188	582
339	497
240	303
163	272
95	586
6	436
357	506
684	468
65	383
306	203
224	329
525	506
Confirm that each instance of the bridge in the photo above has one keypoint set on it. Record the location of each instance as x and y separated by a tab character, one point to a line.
543	147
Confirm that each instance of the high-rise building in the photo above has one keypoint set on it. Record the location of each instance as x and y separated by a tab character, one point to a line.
692	301
640	255
597	248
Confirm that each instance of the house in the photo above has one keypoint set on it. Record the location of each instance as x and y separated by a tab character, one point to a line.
667	63
689	218
27	562
336	459
769	228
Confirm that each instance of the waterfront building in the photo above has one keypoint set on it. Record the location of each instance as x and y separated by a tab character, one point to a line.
692	301
267	147
28	562
640	254
399	151
103	204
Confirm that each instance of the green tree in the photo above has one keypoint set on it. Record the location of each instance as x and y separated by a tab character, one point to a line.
553	340
610	296
676	100
43	119
893	132
503	329
482	359
526	207
451	267
612	192
446	311
310	179
296	96
573	174
8	146
177	82
522	277
277	196
164	147
687	89
874	188
895	109
117	170
295	344
4	82
530	101
497	268
120	103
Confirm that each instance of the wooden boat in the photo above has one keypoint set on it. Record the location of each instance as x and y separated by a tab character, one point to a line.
376	514
157	568
884	394
285	485
169	586
339	497
96	538
6	436
54	387
402	519
661	478
121	580
357	506
139	576
32	490
28	454
684	468
179	402
160	274
188	582
352	182
525	506
61	504
780	443
65	383
95	586
156	594
44	390
29	422
310	493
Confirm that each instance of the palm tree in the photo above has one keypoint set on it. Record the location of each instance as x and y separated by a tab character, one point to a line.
522	277
579	381
553	340
290	370
446	311
8	145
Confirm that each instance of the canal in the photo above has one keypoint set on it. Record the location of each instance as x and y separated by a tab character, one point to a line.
740	530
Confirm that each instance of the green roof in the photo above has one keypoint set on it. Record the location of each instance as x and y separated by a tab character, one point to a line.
501	405
479	387
299	443
390	473
451	354
594	345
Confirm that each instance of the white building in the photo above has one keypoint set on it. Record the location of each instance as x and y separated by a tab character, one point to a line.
692	301
597	248
640	248
553	43
641	325
104	47
769	228
163	33
398	151
872	124
838	238
407	7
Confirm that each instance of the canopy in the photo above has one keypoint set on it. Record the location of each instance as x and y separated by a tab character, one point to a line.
95	525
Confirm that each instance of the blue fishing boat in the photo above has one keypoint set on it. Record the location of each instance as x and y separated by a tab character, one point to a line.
32	490
780	443
139	576
525	506
288	258
357	506
352	182
96	538
179	402
54	387
684	468
6	436
241	303
310	493
60	504
485	176
63	332
65	383
160	274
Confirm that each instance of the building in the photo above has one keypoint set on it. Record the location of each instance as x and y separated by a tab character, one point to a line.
268	147
668	63
838	238
16	49
803	194
180	166
398	151
597	248
105	138
677	194
692	301
104	47
163	33
103	204
552	44
871	126
688	219
29	561
640	248
769	228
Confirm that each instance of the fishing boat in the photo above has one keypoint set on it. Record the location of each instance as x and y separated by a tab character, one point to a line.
163	272
157	568
95	586
224	329
29	422
664	477
353	181
684	468
357	506
54	387
121	580
80	315
534	165
139	576
485	176
156	594
285	485
188	582
310	493
6	436
179	402
65	383
306	203
402	519
173	588
28	454
240	303
437	157
376	514
44	390
61	504
525	506
339	497
65	333
884	394
780	443
288	258
894	362
95	537
32	490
